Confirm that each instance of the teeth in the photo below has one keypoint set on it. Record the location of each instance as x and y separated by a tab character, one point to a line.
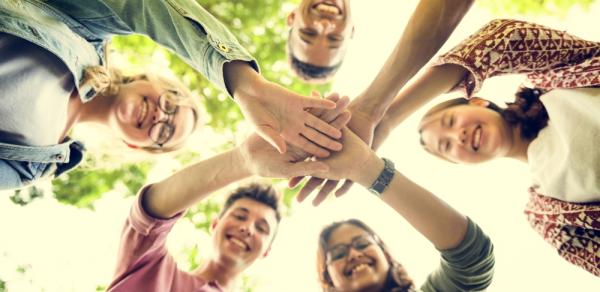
476	138
359	268
143	113
322	7
238	242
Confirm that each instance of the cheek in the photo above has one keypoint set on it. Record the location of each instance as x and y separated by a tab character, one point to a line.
336	273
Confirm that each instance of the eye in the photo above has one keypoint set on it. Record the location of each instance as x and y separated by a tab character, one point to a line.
451	121
262	229
309	32
335	37
338	253
447	146
361	243
240	217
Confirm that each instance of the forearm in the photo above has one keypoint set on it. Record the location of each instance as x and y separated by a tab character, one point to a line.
429	27
241	80
194	183
434	82
441	224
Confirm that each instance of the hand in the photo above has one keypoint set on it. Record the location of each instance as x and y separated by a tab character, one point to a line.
280	115
363	125
265	161
356	162
338	118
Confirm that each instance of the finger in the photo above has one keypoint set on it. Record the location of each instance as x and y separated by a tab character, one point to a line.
316	111
321	140
308	188
272	137
344	188
333	97
330	115
307	146
321	196
341	120
309	102
294	181
327	188
305	168
322	126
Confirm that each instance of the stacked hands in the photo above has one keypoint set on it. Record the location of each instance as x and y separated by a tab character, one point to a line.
317	137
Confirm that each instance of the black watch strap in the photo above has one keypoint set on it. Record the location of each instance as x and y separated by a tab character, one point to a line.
384	178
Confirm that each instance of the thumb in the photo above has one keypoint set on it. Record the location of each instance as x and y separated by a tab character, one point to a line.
306	168
272	137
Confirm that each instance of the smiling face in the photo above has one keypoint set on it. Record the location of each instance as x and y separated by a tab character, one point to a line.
469	133
244	232
320	31
140	121
362	267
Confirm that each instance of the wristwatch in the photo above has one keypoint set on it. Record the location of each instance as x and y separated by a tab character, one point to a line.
384	178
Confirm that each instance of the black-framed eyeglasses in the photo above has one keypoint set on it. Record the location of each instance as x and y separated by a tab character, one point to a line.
340	251
161	131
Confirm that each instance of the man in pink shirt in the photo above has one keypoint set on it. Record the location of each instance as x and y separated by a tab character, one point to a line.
243	232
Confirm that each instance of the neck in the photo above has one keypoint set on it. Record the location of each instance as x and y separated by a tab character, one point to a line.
519	146
222	273
96	110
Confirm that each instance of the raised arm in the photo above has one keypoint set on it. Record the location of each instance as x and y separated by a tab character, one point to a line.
437	221
429	27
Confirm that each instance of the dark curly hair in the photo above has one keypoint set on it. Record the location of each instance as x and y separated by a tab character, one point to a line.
526	111
397	279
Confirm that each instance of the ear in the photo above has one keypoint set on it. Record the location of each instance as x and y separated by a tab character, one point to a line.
290	17
476	101
213	224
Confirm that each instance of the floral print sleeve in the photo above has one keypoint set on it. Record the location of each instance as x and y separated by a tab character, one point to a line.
573	229
550	58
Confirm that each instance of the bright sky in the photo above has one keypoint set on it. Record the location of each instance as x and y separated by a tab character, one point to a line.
67	249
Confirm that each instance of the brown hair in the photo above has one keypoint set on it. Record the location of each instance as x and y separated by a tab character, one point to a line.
264	194
397	279
526	111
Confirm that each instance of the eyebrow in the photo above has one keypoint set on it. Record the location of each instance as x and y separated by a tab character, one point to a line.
243	209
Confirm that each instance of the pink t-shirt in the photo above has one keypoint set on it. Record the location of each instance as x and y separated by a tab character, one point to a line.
143	261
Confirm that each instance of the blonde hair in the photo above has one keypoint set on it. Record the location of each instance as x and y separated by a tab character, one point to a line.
105	81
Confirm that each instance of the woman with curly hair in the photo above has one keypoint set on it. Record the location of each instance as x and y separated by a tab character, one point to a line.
351	257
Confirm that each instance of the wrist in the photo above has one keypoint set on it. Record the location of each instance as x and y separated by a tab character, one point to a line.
369	170
241	162
241	79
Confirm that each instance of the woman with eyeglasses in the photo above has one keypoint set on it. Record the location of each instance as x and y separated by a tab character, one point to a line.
351	257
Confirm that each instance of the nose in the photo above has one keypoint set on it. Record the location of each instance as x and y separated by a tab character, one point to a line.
323	25
354	254
245	230
459	135
159	115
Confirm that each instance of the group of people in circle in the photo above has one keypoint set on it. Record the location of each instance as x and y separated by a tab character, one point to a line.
552	125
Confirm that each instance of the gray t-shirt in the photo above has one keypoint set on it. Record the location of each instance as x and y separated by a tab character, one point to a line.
468	267
35	89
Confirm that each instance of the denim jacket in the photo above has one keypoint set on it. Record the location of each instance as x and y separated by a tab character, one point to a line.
75	32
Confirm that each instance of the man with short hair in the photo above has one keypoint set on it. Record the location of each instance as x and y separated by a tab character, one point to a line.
318	38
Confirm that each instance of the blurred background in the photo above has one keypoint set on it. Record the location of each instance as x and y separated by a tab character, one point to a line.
63	236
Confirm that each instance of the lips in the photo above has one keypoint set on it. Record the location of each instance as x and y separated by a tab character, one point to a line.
476	138
143	112
238	242
358	267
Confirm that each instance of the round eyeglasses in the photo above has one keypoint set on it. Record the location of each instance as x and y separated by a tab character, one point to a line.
161	131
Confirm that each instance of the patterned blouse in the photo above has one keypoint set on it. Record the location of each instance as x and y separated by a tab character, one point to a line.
550	59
